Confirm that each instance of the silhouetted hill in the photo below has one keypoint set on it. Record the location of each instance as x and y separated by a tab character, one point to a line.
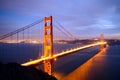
14	71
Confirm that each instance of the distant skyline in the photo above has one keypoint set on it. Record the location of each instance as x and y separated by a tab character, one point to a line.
83	18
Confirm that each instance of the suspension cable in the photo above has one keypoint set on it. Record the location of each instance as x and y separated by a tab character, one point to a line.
60	30
17	38
65	29
21	29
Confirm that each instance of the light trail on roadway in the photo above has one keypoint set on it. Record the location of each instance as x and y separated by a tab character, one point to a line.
30	63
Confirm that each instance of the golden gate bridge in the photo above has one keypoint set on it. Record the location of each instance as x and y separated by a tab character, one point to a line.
48	57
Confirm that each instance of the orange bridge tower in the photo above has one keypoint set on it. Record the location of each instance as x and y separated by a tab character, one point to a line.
48	44
102	40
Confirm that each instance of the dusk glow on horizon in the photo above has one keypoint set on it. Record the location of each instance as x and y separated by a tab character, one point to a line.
60	39
83	18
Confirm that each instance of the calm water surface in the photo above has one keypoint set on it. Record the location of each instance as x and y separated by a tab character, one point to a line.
83	65
102	66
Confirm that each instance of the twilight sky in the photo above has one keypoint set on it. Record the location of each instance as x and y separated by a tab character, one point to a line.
83	18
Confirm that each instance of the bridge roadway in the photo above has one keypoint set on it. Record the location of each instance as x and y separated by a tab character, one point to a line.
37	61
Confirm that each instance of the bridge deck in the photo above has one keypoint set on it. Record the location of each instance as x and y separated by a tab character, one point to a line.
61	54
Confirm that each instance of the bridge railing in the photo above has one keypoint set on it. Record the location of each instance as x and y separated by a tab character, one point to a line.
34	62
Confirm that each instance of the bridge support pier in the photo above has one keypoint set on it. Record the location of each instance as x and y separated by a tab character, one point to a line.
102	40
48	44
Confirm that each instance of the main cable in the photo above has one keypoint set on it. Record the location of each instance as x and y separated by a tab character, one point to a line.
60	30
65	30
21	29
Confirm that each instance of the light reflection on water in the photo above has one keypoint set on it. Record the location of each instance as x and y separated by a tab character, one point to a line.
100	67
103	66
84	72
65	65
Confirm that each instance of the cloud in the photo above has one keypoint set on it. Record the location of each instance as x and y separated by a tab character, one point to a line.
85	15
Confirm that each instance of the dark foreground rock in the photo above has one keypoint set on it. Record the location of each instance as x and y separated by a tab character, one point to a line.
14	71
